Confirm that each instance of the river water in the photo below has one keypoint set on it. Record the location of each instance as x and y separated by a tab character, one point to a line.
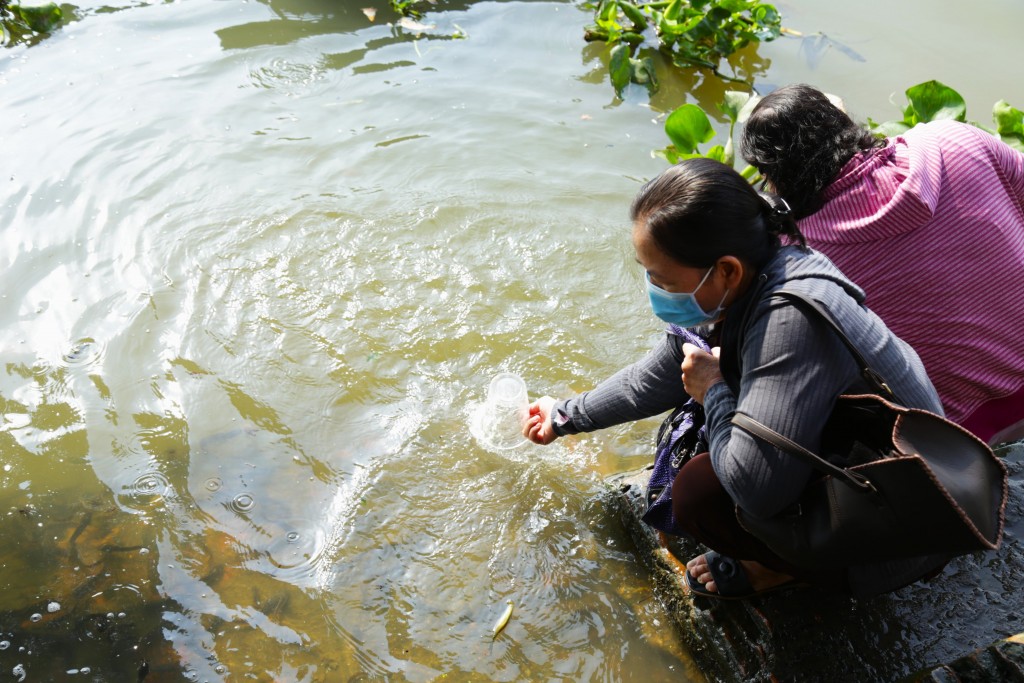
259	261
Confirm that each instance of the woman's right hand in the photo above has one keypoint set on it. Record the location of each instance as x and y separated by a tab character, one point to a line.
538	427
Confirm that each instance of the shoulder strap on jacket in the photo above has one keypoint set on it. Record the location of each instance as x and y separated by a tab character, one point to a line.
870	375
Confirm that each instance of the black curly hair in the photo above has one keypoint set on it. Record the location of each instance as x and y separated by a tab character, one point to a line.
799	141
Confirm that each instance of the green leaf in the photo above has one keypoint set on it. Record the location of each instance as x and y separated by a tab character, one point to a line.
607	12
674	11
1016	143
751	174
643	73
668	154
41	18
634	14
933	101
733	103
687	127
619	68
1009	120
890	129
717	153
735	5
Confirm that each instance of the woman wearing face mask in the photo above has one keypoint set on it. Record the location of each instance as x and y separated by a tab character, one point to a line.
710	246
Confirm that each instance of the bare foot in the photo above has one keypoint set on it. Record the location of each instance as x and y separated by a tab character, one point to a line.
760	577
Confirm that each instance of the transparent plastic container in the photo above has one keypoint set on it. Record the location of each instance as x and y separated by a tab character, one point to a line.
498	422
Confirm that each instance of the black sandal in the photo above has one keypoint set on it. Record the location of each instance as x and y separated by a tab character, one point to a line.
731	580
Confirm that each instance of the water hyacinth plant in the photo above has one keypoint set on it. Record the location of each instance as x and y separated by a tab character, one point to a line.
24	18
688	127
935	101
692	33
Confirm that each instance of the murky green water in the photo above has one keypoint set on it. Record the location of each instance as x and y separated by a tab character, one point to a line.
259	260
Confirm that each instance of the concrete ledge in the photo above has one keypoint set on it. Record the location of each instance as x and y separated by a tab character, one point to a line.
959	627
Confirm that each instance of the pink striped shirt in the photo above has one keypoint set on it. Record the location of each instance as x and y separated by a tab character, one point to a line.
932	227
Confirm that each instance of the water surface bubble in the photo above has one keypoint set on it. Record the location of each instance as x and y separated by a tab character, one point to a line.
53	607
149	488
82	352
4	644
36	617
213	484
297	548
243	502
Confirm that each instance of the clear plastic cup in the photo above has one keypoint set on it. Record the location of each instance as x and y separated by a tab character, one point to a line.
500	419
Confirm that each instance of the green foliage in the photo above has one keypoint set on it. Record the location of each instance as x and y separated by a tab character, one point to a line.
692	32
688	127
406	8
19	19
624	69
935	101
1009	124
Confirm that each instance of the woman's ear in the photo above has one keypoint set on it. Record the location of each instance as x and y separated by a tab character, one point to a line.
732	272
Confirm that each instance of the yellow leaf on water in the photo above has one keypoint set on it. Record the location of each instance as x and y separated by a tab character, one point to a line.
413	25
370	12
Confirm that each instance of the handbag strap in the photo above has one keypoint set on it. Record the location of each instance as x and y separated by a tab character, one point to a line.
870	375
749	424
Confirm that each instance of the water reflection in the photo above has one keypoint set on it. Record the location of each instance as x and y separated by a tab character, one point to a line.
259	259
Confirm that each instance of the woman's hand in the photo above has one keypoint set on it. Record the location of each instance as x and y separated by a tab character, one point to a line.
538	427
700	371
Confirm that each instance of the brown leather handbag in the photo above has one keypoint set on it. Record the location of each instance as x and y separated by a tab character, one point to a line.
897	483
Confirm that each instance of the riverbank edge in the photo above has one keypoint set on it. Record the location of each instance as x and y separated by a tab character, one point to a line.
732	641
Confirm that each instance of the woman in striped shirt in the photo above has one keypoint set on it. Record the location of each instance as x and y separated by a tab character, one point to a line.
930	223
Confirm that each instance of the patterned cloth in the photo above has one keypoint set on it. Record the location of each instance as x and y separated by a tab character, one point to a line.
682	435
932	228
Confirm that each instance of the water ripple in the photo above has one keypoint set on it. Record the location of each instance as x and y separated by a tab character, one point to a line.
242	503
148	490
82	352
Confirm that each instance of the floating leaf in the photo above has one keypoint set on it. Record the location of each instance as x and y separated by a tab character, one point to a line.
370	12
1009	120
42	18
687	127
643	73
889	129
717	153
634	14
413	25
934	101
619	68
1009	124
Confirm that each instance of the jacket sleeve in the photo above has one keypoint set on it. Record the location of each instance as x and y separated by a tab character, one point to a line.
648	387
794	368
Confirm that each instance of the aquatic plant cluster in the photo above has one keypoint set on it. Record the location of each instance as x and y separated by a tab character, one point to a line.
688	127
20	19
695	33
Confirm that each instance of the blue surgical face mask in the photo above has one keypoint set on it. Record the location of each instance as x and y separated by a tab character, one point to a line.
681	308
